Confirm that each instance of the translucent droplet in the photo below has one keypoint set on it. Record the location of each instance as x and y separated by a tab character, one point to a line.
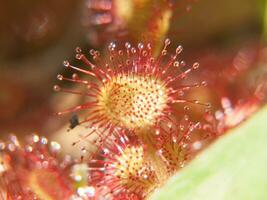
176	64
144	53
167	41
112	46
196	65
164	52
186	108
78	56
75	76
133	50
57	88
28	148
92	52
35	138
149	46
43	140
197	145
140	46
55	147
182	63
87	191
179	49
60	77
78	50
66	63
204	83
127	45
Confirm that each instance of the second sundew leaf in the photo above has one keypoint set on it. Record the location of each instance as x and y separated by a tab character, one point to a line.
234	168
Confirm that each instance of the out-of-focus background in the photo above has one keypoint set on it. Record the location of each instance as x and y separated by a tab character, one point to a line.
36	36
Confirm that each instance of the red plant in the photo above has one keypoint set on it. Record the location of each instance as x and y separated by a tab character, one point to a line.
32	170
133	90
123	168
129	168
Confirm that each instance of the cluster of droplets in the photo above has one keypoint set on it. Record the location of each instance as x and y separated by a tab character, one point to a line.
34	170
130	106
122	167
178	150
133	89
229	116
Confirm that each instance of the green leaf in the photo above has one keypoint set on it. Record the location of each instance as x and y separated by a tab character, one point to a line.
233	168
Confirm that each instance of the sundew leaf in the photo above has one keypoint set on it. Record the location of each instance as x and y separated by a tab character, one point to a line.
233	168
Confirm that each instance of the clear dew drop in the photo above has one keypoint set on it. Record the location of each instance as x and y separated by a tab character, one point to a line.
164	52
35	138
78	56
66	63
182	63
28	148
78	50
167	41
204	83
87	191
75	76
179	49
144	53
196	65
176	64
84	151
196	101
92	52
55	147
186	108
140	46
14	139
149	47
60	77
43	140
127	45
112	46
197	145
133	50
57	88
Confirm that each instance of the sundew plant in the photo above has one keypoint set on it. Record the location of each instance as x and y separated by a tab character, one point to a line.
149	107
